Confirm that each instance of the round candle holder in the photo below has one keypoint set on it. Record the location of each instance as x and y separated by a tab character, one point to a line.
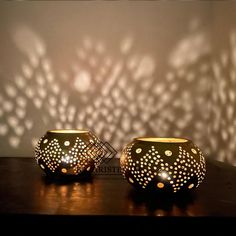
163	164
68	152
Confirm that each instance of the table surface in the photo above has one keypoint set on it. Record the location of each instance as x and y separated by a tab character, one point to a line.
24	189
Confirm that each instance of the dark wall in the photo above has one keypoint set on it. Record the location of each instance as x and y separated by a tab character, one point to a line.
120	69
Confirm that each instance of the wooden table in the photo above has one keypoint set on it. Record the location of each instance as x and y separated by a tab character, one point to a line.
28	197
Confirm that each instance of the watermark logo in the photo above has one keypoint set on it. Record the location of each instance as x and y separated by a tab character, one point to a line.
103	153
108	170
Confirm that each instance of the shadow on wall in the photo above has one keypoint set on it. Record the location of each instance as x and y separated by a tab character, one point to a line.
222	125
122	97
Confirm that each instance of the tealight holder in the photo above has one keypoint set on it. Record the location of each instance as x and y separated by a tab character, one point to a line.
163	164
68	152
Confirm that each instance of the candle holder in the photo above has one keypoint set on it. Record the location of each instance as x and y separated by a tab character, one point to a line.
68	152
163	164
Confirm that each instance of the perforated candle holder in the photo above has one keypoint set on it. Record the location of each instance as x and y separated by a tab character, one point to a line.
68	152
163	164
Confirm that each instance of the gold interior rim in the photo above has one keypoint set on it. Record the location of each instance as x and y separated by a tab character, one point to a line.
68	131
162	140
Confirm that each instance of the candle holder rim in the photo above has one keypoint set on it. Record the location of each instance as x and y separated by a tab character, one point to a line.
68	131
156	139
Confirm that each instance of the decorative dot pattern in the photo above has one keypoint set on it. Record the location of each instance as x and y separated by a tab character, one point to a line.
45	141
138	150
67	143
131	180
184	170
194	151
160	185
67	157
191	186
168	153
42	166
64	170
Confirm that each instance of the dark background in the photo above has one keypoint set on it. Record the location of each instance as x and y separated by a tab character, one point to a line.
121	69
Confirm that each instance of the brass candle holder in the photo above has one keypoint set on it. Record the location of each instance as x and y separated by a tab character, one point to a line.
67	152
163	164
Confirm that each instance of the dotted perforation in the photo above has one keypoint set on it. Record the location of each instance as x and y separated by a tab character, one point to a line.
54	157
152	165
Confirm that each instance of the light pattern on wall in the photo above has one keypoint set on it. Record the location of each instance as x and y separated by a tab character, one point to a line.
118	95
222	127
